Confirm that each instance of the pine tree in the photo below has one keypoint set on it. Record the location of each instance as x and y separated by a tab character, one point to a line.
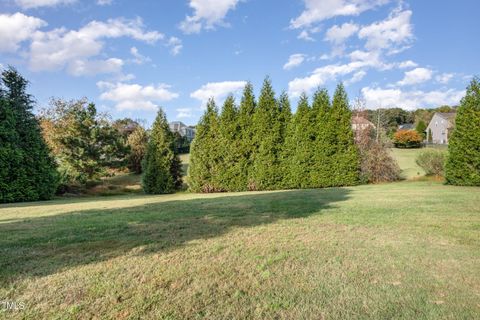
324	140
161	166
247	145
345	161
266	174
463	162
421	128
27	171
285	124
204	155
230	176
299	147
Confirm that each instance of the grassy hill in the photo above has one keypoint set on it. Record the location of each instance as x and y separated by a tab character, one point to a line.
403	250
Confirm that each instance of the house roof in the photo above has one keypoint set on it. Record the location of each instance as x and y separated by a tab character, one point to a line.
450	116
406	126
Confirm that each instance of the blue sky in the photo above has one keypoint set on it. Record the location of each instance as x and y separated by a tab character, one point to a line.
129	57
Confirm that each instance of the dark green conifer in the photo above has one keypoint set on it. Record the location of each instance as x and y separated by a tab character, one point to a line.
205	164
345	162
247	145
161	167
230	178
463	162
27	171
324	140
266	170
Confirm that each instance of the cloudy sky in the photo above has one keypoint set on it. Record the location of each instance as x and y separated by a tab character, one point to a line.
130	57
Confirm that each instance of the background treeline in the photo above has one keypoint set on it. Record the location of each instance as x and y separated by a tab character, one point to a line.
390	119
260	145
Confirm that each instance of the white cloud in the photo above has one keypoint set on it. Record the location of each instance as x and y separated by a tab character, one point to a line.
29	4
93	67
415	76
319	10
294	61
390	33
217	90
444	78
104	2
207	15
390	98
175	45
184	113
356	77
338	34
135	96
305	35
407	64
138	58
16	28
60	48
360	61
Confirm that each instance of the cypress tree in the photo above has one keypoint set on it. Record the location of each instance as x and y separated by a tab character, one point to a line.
161	167
230	176
324	140
246	143
463	162
267	173
345	162
204	158
299	147
27	171
285	120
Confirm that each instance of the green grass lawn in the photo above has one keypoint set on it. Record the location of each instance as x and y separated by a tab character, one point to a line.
408	250
406	160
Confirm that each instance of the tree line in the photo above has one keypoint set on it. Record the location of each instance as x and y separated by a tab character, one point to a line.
256	145
260	145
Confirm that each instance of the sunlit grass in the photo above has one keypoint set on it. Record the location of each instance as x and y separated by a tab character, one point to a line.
407	250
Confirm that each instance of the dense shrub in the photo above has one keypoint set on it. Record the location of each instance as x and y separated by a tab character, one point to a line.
377	165
431	161
407	139
161	167
463	163
27	171
137	142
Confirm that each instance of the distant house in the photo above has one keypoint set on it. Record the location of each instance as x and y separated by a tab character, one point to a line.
183	129
440	127
359	127
406	126
360	123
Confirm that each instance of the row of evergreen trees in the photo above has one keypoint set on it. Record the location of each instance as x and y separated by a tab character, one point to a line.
260	145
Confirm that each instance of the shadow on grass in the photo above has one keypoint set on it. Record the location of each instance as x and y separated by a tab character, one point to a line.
46	245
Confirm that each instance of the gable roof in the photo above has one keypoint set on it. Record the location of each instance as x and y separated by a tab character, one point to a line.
449	116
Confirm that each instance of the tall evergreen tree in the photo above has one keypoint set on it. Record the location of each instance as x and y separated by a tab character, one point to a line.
161	166
204	155
345	161
230	177
324	140
463	162
27	171
266	172
247	145
299	147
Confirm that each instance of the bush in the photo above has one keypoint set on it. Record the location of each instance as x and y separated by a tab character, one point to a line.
376	163
407	139
432	162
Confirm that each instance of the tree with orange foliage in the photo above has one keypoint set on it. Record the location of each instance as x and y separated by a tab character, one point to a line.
407	139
